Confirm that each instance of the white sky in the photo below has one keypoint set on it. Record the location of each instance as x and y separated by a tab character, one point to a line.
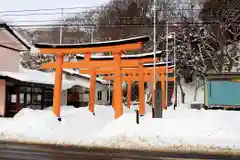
15	5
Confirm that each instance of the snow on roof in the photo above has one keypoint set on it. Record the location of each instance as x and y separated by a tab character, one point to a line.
158	63
123	56
34	48
34	76
76	72
95	44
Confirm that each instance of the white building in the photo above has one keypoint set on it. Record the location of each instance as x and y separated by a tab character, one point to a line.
102	87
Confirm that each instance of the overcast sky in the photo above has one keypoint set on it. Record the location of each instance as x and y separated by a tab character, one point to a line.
15	5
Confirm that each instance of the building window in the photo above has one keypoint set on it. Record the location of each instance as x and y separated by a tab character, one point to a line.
85	97
99	96
21	98
48	98
33	97
29	98
36	99
13	98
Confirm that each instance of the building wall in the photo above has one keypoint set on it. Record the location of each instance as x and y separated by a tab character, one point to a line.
86	83
9	60
101	88
2	97
223	93
82	81
64	97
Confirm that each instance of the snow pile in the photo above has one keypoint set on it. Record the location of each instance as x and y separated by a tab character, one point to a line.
189	90
77	125
184	128
180	129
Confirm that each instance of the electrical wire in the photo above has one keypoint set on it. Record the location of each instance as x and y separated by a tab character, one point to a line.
115	25
89	8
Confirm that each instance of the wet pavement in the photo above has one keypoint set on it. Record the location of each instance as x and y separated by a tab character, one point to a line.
21	151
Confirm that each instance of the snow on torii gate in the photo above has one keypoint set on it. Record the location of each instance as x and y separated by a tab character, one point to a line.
116	47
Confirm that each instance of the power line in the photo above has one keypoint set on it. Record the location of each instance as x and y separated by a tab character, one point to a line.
119	25
66	20
47	9
72	8
39	14
76	12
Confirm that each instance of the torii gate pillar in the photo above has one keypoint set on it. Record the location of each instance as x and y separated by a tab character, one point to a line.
118	86
58	86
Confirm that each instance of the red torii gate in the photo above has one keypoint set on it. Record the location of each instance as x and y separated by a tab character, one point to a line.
141	58
116	47
145	78
144	74
125	63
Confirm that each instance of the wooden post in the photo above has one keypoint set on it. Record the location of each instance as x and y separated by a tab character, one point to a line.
153	95
137	116
118	86
113	95
92	91
163	90
58	86
141	91
18	99
129	93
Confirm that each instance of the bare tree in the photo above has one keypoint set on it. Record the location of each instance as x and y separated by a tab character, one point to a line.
124	19
35	61
224	30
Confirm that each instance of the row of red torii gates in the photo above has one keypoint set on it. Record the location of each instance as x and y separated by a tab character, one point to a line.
118	68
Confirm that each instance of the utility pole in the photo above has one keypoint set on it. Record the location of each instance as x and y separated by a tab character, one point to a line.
174	61
61	27
109	92
154	45
92	34
166	50
154	56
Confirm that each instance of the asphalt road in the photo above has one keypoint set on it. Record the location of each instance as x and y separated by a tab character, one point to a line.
18	151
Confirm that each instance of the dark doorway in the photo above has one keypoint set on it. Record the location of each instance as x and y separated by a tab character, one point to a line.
12	100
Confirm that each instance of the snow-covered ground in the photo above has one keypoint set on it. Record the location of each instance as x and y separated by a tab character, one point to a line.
182	129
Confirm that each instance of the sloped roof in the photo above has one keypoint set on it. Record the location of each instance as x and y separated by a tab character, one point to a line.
76	73
17	36
34	76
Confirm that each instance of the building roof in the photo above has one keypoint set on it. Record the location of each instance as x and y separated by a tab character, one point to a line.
86	76
222	76
95	44
39	77
17	36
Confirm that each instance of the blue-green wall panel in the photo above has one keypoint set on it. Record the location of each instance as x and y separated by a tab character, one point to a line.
223	92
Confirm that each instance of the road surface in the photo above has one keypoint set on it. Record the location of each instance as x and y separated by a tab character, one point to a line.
20	151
